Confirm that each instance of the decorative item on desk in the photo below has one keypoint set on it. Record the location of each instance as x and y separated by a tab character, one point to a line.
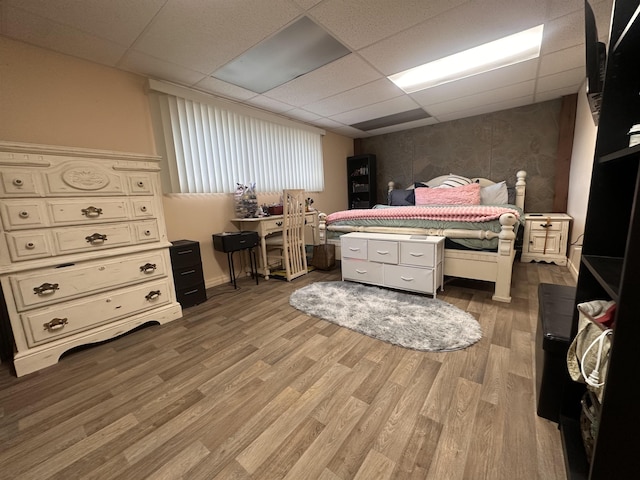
634	135
246	201
275	209
307	203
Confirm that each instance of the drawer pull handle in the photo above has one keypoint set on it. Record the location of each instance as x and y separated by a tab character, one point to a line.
24	214
152	295
148	268
55	324
407	279
140	184
46	289
18	182
30	245
382	252
96	238
188	272
354	249
416	254
279	224
92	212
185	252
147	232
143	208
191	292
361	272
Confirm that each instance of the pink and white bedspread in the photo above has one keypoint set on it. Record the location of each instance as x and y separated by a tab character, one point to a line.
447	213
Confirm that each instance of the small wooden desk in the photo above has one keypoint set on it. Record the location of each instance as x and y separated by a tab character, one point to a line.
267	225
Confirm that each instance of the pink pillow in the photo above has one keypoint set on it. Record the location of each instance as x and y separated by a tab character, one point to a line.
465	195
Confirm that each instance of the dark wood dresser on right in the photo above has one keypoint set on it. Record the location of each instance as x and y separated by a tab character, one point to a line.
188	278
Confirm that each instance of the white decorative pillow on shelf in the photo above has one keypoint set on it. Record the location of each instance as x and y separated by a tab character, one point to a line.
496	194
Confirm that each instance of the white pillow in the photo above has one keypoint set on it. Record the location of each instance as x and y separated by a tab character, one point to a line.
456	181
496	194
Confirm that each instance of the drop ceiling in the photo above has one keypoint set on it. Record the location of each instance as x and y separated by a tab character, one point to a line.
187	41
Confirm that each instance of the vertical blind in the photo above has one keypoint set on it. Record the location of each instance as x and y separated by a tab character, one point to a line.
217	148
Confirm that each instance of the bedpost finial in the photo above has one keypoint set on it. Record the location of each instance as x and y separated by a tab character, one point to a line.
391	185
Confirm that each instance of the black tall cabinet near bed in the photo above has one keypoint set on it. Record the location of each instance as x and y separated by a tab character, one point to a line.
361	181
610	266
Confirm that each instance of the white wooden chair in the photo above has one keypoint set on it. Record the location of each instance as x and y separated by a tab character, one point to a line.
289	246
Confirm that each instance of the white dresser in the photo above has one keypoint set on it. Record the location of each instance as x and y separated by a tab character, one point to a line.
405	262
83	248
545	237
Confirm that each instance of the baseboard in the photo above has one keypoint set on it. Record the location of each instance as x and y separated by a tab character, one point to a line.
574	262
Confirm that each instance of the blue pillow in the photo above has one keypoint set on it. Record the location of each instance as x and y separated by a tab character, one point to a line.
402	197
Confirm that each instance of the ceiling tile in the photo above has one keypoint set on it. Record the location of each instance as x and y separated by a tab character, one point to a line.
213	85
492	80
563	32
119	21
567	59
490	108
381	109
343	74
382	89
204	35
152	67
269	104
33	29
471	102
377	19
469	25
568	78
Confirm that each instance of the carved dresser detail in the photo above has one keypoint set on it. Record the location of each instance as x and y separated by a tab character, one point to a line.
84	255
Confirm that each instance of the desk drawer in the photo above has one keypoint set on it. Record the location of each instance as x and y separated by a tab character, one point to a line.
419	254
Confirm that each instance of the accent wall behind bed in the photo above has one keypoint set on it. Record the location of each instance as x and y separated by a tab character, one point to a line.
494	146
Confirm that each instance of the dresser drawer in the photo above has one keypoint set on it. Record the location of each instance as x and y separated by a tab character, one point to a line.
22	214
362	271
143	208
146	231
382	251
88	238
354	247
28	245
51	285
18	182
77	178
50	323
77	211
419	254
140	184
409	278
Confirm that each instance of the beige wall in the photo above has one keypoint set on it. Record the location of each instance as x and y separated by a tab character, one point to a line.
55	99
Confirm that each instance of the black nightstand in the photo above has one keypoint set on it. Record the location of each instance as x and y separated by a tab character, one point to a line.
230	242
187	272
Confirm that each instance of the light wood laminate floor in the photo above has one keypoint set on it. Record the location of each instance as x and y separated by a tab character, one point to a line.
246	387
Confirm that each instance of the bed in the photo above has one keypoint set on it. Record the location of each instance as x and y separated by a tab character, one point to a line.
480	234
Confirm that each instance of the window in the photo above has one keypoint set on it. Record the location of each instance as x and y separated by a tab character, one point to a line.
211	146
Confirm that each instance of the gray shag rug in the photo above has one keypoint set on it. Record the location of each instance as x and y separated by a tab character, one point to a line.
409	320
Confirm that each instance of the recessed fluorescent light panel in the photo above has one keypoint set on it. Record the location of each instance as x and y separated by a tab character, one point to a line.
509	50
298	49
389	120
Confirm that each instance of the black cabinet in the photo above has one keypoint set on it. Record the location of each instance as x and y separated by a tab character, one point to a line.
611	261
187	272
361	181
